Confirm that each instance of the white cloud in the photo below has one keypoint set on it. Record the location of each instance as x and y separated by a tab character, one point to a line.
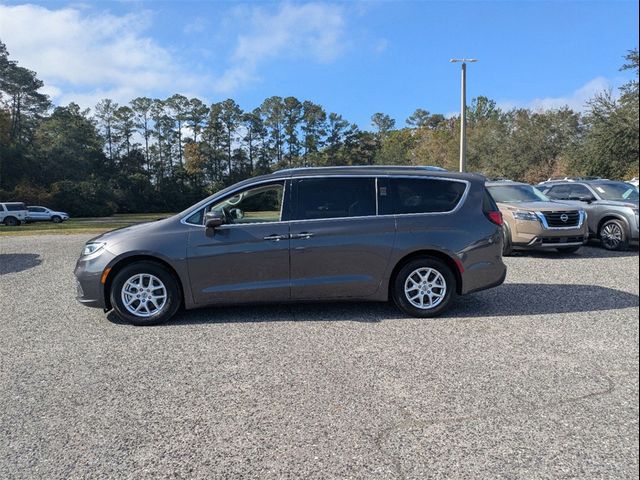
576	100
83	56
294	31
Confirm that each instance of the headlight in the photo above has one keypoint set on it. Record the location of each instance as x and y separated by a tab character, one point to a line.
525	215
92	247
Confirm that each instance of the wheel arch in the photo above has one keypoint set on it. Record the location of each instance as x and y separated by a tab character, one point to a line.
612	216
122	262
447	259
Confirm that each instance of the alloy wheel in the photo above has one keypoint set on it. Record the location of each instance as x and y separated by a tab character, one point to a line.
611	236
425	288
144	295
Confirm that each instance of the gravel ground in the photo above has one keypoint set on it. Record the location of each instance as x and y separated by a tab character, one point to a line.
535	379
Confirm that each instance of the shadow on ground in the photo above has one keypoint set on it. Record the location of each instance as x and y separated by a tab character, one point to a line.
512	299
592	250
18	262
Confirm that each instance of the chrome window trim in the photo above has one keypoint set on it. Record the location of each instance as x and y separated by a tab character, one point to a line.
286	180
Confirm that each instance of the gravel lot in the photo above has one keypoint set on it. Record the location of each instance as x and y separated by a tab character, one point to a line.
535	379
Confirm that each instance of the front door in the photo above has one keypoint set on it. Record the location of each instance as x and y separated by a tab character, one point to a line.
340	248
246	259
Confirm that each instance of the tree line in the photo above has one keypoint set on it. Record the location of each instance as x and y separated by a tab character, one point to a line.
165	154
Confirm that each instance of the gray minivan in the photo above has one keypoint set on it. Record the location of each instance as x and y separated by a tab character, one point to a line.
337	233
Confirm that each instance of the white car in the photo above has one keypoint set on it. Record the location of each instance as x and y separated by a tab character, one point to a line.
13	213
633	181
44	214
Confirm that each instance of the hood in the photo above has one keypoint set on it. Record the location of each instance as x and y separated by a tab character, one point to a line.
115	236
538	206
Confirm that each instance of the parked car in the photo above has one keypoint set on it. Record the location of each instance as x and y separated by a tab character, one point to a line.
634	182
612	208
533	222
420	237
44	214
13	213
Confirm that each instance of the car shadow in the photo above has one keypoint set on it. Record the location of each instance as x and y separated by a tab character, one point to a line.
592	250
509	300
18	262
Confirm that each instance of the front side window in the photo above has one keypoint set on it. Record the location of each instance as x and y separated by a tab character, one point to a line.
425	195
261	204
618	191
319	198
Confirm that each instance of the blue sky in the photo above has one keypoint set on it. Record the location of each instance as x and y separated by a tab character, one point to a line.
354	58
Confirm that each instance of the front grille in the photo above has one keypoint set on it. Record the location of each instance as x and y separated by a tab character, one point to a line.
569	218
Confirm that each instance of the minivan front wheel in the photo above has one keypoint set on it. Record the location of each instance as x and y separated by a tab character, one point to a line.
145	293
613	235
424	287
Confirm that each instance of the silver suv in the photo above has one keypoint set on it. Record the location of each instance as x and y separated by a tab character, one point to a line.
13	213
611	206
417	236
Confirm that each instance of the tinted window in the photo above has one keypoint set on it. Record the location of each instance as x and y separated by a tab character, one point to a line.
14	207
559	192
579	191
335	198
36	209
424	195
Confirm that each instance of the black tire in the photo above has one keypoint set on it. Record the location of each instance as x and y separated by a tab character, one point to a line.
11	222
56	219
398	287
164	314
614	235
507	246
568	250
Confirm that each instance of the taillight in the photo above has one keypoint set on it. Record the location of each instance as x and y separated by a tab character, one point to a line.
495	217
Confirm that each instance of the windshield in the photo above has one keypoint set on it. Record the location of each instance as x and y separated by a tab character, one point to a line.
619	191
517	194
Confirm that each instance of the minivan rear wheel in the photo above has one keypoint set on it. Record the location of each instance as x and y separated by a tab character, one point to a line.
424	287
145	293
613	235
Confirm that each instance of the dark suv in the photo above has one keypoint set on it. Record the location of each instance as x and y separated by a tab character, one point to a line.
611	206
353	233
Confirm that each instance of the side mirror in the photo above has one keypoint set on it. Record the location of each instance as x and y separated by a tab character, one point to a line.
213	219
585	198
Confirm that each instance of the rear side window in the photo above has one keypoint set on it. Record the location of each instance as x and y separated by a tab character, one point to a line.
319	198
425	195
15	207
559	192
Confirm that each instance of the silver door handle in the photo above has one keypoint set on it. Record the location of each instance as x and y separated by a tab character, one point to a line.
302	236
276	238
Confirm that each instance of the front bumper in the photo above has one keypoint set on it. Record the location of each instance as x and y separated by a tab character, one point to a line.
88	272
537	235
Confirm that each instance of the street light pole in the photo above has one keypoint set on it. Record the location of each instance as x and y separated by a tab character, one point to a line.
463	110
